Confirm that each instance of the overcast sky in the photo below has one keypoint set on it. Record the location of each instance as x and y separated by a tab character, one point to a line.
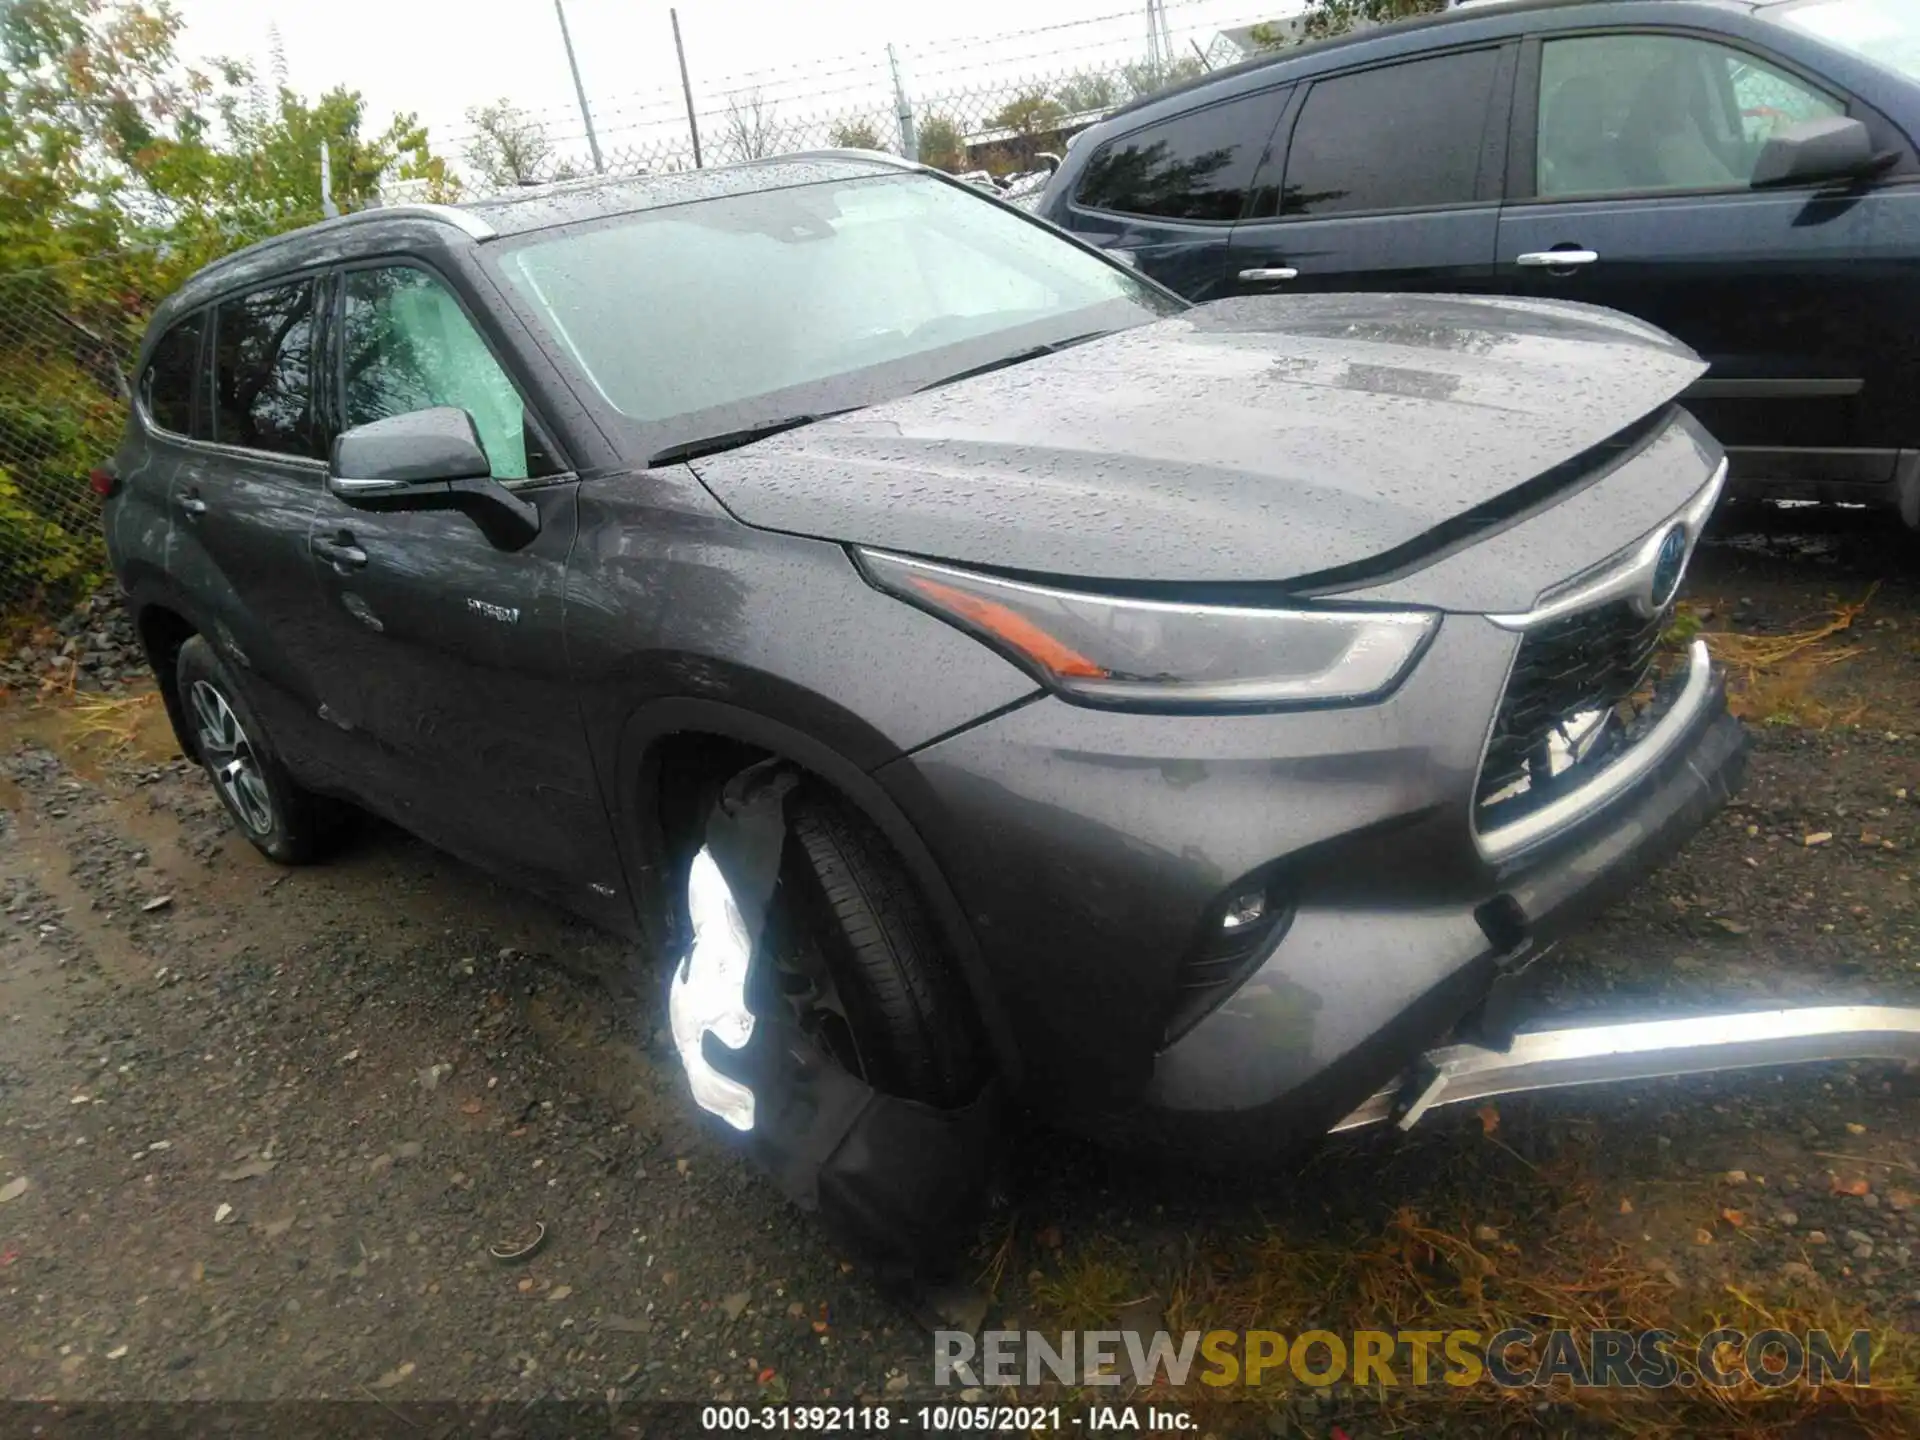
440	57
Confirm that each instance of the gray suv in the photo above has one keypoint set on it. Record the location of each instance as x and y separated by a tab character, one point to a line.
983	677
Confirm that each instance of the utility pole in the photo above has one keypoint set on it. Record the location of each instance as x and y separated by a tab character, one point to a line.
686	88
909	141
586	115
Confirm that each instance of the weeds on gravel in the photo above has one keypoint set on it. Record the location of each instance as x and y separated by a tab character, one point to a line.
1559	1269
111	722
1772	677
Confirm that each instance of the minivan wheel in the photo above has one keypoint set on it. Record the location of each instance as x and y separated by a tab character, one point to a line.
859	963
284	822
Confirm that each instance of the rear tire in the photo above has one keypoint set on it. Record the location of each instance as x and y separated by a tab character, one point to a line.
847	901
284	822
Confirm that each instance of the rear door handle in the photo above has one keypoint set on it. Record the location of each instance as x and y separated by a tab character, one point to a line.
1556	259
1269	272
339	552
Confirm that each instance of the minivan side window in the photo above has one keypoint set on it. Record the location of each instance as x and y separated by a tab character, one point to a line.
263	371
405	345
1400	137
1634	114
166	388
1195	167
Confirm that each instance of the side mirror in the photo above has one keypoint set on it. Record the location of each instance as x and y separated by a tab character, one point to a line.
1832	148
429	460
1047	161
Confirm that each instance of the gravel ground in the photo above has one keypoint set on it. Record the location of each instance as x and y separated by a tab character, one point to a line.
260	1130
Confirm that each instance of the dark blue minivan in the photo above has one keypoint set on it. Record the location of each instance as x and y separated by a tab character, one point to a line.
1740	173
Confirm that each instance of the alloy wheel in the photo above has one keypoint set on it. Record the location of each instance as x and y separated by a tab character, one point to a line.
230	757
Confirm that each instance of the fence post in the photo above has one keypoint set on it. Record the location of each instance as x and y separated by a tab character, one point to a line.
686	88
586	115
909	142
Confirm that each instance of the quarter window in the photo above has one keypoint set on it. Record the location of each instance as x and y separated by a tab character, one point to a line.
166	389
263	371
407	345
1632	114
1193	168
1400	137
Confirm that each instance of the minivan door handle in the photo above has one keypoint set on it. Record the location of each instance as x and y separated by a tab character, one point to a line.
1556	259
339	552
1269	272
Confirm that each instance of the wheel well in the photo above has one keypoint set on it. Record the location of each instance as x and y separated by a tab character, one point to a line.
680	777
162	633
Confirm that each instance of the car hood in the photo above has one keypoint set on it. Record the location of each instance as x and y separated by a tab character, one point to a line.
1253	439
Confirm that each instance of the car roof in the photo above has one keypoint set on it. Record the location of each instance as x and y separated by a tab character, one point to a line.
364	232
1384	37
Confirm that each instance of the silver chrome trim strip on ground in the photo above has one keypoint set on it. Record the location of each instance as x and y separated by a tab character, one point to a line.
1653	747
1647	1050
1634	571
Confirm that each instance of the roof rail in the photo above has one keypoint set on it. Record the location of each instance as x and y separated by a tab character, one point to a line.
462	220
848	152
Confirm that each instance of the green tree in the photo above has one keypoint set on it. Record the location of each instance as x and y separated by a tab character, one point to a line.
1092	90
854	135
121	171
1336	17
509	147
1142	78
1030	113
942	144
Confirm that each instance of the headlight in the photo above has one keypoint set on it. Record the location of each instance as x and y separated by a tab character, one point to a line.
1149	654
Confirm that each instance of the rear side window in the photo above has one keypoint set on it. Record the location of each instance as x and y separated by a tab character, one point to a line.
1194	168
1401	137
166	389
263	371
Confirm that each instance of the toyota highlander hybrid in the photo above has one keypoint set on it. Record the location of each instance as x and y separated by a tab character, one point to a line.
986	679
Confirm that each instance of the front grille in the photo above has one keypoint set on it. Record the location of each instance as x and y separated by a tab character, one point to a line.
1591	661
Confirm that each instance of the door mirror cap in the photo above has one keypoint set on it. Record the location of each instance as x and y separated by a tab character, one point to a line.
429	460
1835	147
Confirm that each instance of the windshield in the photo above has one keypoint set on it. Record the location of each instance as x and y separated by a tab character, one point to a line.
714	316
1885	31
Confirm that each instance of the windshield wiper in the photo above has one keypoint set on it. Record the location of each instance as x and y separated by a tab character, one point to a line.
1018	357
734	439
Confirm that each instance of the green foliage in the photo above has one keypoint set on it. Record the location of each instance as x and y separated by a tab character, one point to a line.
1034	112
942	144
1336	17
1094	90
855	135
122	170
509	147
1143	79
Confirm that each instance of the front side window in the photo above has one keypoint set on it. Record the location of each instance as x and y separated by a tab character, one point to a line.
406	345
263	371
1193	168
1632	114
700	318
1400	137
166	389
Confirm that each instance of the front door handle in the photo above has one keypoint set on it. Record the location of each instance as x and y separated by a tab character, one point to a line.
339	552
1556	259
1269	272
193	507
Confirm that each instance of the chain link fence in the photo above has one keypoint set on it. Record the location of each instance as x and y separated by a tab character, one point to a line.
67	336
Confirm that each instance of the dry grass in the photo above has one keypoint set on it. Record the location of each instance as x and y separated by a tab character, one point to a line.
1556	1268
1778	679
111	723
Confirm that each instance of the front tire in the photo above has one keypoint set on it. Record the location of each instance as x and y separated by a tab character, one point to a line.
852	927
284	822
